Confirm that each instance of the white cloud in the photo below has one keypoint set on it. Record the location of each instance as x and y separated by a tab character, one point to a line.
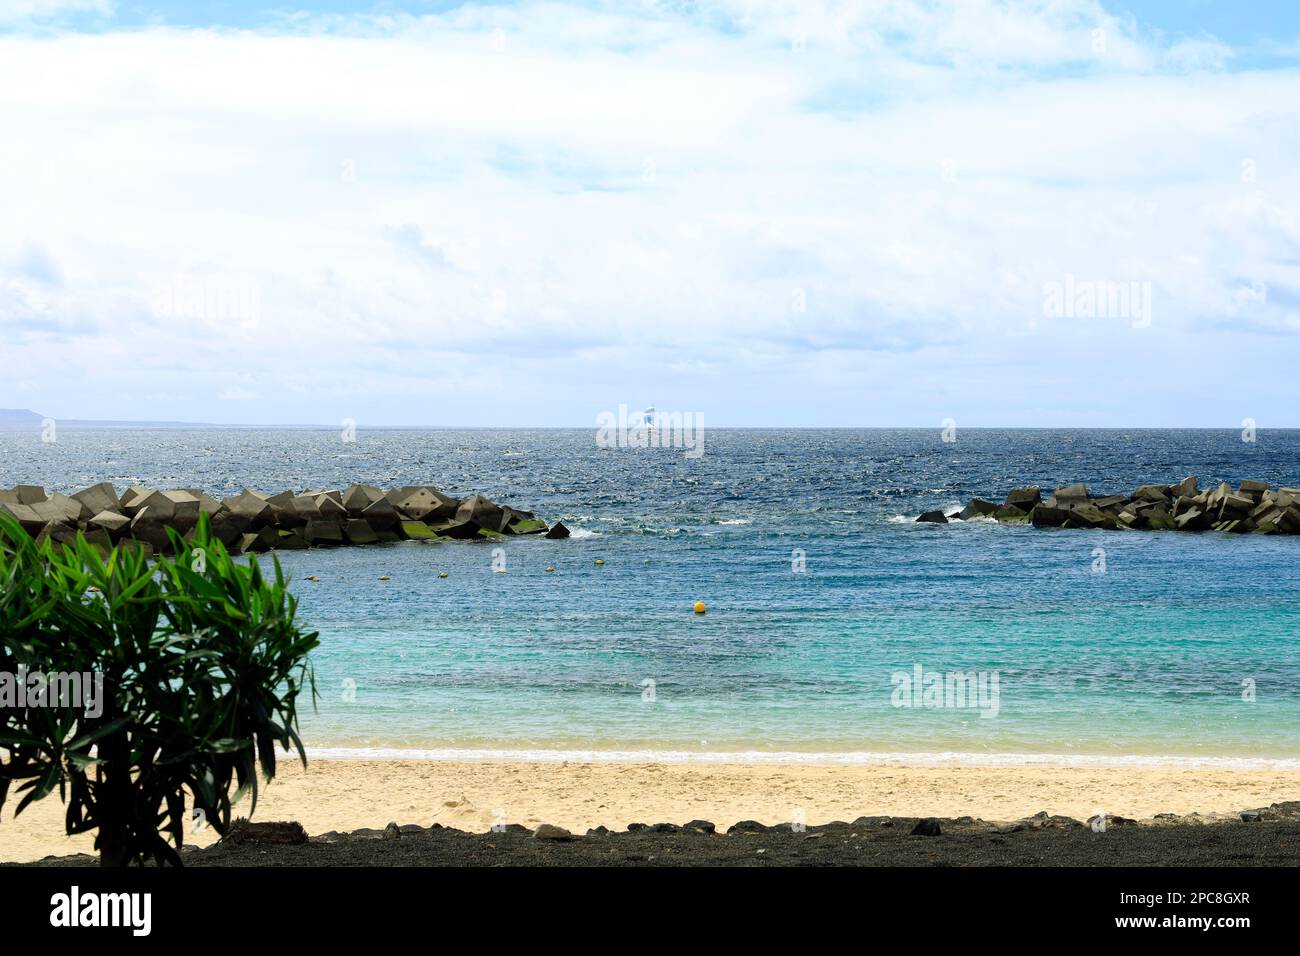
616	201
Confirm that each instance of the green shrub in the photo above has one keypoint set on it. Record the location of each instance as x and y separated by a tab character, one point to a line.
202	665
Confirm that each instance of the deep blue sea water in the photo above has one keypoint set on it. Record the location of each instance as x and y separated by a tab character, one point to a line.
1148	658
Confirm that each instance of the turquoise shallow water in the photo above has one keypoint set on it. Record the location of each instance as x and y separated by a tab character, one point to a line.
1148	658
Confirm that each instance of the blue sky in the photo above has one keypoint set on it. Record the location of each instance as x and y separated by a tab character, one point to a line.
768	212
1231	21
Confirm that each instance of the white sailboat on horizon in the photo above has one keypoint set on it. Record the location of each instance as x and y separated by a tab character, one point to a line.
647	422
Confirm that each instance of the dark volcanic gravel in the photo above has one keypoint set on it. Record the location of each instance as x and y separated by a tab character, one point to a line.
1271	840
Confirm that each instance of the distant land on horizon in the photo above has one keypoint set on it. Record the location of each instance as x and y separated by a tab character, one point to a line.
24	419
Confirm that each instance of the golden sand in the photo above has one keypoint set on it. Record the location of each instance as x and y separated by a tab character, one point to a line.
472	795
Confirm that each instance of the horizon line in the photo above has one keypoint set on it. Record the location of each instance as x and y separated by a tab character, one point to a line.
146	425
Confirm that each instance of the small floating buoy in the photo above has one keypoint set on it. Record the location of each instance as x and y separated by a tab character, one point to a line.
312	577
442	574
384	577
600	561
700	607
550	569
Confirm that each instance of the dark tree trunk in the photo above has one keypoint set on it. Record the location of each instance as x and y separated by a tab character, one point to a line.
112	850
114	806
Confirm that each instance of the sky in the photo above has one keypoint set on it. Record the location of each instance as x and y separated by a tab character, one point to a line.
875	213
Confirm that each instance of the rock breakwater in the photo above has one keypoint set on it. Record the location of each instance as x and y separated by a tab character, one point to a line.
253	521
1251	507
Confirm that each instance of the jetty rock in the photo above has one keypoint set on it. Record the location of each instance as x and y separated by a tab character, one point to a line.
1250	507
254	521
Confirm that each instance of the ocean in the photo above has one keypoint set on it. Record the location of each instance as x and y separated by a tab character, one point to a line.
822	594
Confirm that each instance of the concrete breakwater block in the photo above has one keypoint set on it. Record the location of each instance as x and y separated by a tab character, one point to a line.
1251	507
254	521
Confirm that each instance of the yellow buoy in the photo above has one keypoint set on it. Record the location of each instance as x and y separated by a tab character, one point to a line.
600	561
384	577
442	574
549	569
700	607
312	577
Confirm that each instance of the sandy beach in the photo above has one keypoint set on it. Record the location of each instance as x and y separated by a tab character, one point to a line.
344	795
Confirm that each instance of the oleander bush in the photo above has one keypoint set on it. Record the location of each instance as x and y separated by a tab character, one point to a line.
203	663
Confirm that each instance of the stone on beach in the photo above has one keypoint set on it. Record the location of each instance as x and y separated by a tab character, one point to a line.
548	831
558	531
933	517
